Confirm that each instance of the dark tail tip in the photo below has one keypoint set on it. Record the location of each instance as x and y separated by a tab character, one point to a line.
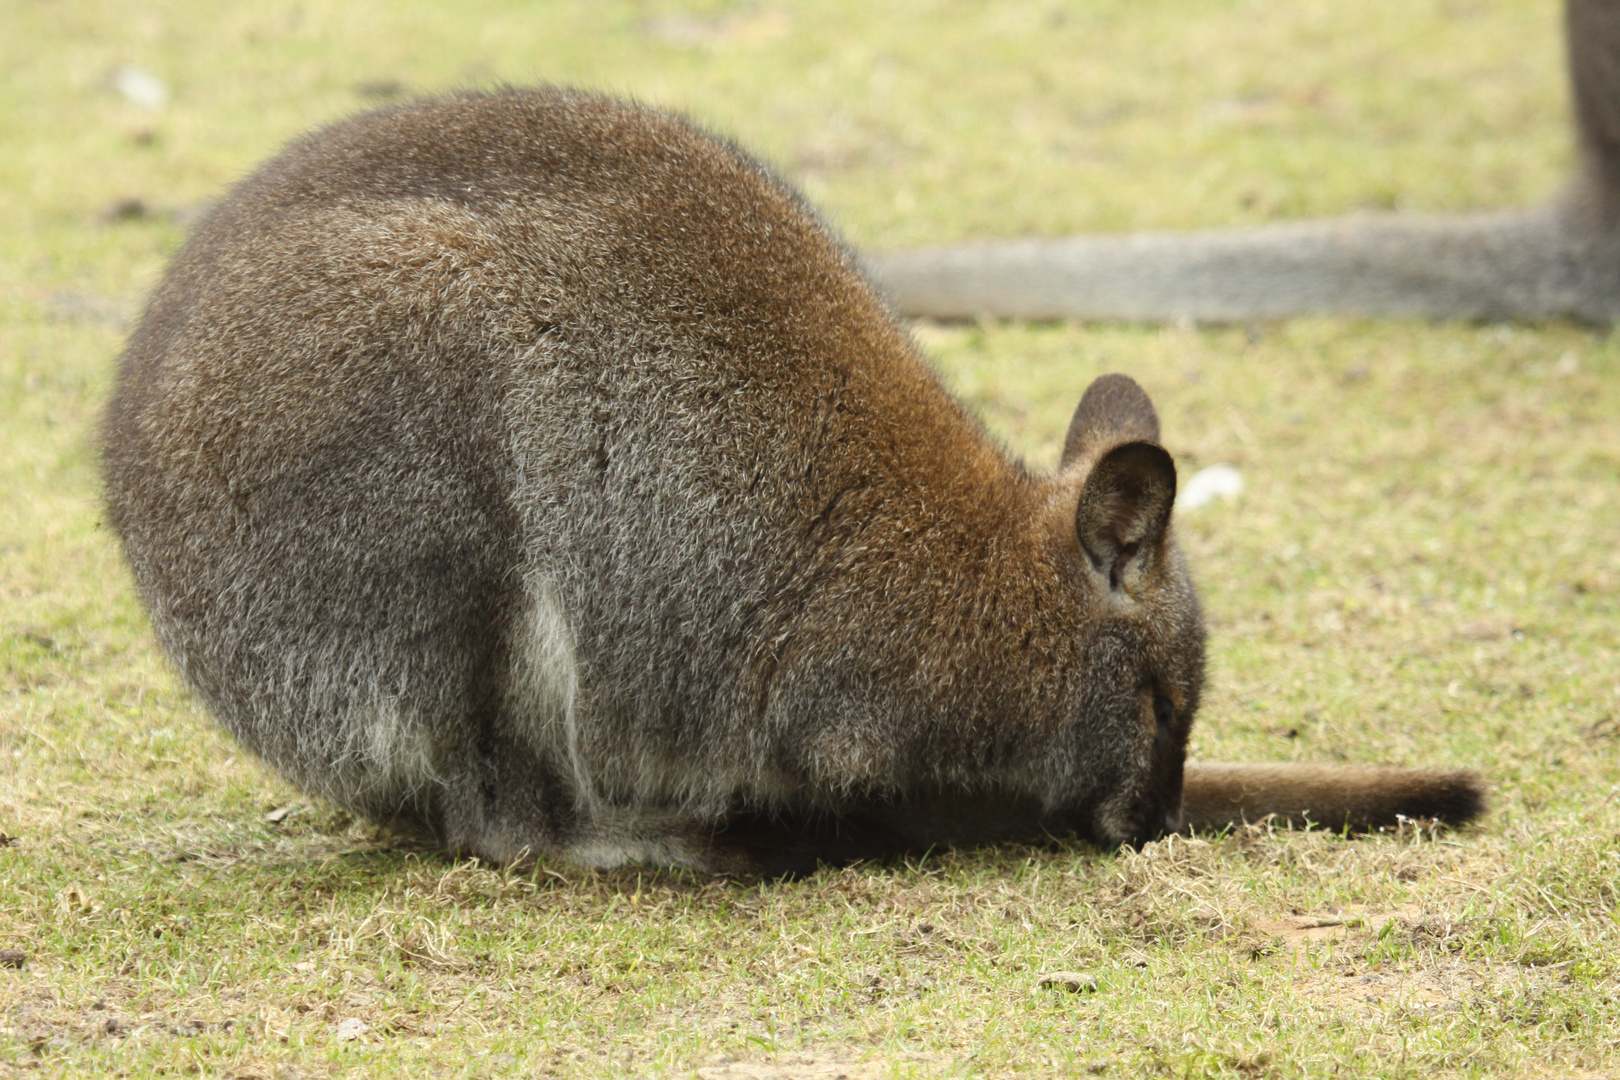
1454	796
1358	798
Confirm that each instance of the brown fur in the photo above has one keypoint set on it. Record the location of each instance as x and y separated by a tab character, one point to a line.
537	471
1353	797
1560	260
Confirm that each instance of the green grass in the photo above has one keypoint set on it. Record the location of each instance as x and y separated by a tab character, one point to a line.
1423	568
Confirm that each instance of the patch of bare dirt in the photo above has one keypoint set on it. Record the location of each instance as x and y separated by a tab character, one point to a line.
1291	933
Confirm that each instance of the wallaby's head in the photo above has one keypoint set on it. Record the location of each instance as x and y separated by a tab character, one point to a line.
1144	642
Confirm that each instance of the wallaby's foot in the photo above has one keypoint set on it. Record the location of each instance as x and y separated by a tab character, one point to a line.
1354	797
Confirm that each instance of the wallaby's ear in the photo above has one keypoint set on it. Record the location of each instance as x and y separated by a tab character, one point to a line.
1125	509
1114	410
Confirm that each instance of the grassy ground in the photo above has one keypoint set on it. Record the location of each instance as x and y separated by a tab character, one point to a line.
1422	569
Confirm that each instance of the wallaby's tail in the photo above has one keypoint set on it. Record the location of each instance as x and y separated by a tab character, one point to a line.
1358	797
1545	263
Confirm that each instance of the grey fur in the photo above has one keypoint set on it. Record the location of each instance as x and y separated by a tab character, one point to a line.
1558	261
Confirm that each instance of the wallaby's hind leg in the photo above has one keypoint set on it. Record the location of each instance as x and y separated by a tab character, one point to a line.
507	801
1592	43
502	801
1562	260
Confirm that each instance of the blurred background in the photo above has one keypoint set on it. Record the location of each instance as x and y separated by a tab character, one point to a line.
909	122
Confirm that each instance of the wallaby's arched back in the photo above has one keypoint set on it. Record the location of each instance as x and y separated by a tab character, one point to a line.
538	471
1560	260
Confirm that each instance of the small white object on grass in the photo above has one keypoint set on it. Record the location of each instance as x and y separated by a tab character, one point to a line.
140	88
1206	485
351	1029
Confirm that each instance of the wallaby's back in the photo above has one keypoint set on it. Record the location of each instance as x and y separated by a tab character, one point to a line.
506	460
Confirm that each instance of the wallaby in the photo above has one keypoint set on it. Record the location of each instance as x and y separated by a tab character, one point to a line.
1560	260
538	471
